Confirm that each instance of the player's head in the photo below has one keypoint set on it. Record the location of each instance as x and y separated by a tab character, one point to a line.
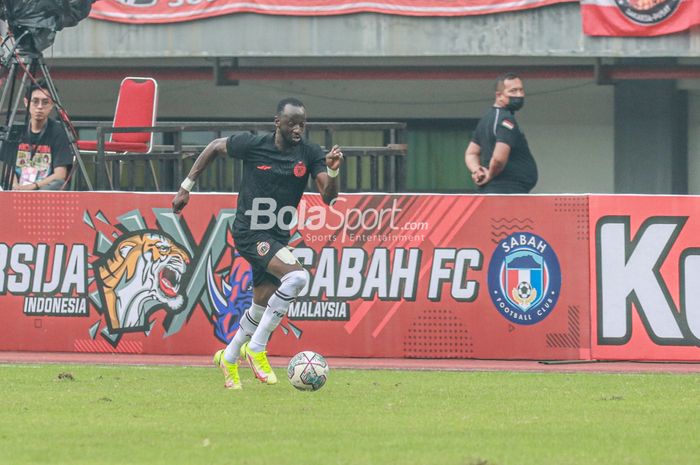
39	102
510	92
290	120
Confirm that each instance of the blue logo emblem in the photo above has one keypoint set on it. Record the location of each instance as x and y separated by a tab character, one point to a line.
230	292
524	278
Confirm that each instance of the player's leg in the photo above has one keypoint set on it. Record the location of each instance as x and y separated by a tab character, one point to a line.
293	278
264	285
227	359
249	322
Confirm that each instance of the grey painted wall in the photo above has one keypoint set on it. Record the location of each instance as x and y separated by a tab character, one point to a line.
508	34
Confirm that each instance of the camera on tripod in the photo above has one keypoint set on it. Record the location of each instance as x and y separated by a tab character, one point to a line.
37	21
31	28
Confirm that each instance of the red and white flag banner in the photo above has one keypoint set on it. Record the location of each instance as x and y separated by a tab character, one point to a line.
638	17
170	11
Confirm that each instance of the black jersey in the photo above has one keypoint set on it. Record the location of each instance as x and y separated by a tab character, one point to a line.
271	181
39	154
520	173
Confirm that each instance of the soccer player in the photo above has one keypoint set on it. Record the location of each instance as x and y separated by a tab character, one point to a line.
276	168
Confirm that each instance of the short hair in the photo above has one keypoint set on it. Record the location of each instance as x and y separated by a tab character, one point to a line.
288	101
500	80
38	84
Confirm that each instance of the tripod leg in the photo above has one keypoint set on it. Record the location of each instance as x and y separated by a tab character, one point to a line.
8	87
83	170
7	159
9	150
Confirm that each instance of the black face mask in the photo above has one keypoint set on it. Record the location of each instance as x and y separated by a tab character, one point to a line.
515	103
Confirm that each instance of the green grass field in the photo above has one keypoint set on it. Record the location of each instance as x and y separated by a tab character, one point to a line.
76	414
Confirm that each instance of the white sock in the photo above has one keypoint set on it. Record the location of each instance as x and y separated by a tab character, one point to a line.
249	322
292	284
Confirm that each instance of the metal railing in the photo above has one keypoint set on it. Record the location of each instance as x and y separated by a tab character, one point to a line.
379	168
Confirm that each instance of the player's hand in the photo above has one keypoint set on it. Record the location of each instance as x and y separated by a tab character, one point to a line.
180	201
334	158
480	176
483	181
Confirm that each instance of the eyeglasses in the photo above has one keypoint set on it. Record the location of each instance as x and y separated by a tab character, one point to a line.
41	101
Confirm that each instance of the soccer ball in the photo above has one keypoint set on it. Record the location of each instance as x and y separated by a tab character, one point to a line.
524	290
307	371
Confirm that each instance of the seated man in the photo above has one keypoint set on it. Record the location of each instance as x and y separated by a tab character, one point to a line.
44	157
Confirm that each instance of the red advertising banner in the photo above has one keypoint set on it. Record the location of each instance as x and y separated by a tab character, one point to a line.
170	11
408	276
638	17
645	281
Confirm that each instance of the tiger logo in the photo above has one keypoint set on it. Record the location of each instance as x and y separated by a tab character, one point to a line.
140	273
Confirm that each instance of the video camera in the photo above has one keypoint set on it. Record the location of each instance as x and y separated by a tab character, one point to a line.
34	23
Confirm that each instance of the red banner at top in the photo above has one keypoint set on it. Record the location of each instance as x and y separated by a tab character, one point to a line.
638	17
170	11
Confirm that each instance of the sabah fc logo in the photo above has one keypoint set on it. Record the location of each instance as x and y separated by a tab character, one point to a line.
524	278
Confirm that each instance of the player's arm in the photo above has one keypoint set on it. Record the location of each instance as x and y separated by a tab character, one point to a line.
472	158
327	183
501	153
506	132
60	173
211	151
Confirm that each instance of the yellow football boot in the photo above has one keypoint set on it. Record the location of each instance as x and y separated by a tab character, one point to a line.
261	367
230	370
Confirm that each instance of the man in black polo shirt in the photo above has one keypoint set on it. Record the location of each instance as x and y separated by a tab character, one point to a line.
276	168
498	156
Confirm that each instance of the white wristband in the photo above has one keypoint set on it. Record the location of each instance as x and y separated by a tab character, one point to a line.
332	173
187	184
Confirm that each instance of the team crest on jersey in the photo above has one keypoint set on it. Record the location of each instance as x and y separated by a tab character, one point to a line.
524	278
263	248
299	169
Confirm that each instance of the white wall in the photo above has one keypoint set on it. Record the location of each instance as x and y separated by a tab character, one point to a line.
571	135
